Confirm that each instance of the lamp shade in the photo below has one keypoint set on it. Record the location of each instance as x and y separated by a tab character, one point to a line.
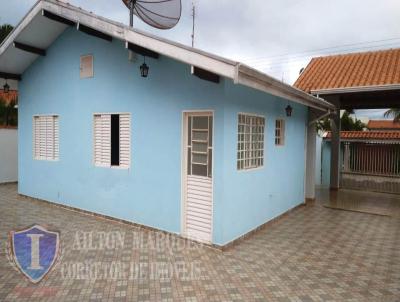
144	70
289	110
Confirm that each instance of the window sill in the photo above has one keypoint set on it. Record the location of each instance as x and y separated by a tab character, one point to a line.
45	159
113	167
250	169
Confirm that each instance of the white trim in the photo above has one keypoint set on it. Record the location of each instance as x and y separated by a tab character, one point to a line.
356	89
185	115
239	73
243	151
54	145
94	141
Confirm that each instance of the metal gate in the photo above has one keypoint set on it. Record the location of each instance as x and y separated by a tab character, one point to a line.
371	166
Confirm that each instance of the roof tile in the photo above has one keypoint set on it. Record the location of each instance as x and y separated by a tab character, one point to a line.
366	135
351	70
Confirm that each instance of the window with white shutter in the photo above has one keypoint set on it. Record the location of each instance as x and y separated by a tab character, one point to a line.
112	142
86	66
45	137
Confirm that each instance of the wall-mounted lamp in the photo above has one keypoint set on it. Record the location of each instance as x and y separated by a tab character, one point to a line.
6	87
289	111
144	69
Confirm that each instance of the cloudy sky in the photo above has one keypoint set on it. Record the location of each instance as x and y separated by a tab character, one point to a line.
278	37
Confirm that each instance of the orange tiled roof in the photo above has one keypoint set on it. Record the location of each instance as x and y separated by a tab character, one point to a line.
383	124
366	135
8	97
351	70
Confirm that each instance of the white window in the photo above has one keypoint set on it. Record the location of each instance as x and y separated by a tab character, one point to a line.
86	66
250	141
112	143
280	132
45	137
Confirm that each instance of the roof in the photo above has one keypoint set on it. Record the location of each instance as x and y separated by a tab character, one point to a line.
354	70
366	135
8	97
8	127
38	30
383	124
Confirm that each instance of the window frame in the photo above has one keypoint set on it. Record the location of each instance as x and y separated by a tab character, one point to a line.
282	132
263	142
38	158
119	167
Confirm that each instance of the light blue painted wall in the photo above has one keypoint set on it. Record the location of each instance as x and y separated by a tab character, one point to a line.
255	196
326	163
150	192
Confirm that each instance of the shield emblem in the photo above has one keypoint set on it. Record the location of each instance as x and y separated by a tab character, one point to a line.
34	251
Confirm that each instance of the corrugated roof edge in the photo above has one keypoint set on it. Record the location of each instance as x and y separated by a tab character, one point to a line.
240	73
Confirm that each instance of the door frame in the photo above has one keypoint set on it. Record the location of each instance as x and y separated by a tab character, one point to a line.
185	114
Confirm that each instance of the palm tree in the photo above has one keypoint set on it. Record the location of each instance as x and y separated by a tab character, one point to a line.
5	30
395	113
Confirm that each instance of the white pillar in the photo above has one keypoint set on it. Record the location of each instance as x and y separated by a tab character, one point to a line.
335	150
310	158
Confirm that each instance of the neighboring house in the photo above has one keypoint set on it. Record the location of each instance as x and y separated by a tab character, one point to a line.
365	80
369	160
207	152
9	97
383	125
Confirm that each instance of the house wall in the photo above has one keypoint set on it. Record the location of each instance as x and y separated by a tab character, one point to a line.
149	192
252	197
8	155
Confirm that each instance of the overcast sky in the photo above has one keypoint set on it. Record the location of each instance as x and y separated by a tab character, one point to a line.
278	37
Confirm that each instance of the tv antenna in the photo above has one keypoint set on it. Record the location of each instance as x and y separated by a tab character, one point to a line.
194	19
161	14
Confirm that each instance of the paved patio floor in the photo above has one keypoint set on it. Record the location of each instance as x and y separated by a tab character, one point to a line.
312	254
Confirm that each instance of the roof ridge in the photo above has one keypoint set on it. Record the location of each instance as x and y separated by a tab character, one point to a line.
358	53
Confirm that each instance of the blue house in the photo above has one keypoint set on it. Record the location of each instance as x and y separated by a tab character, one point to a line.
201	147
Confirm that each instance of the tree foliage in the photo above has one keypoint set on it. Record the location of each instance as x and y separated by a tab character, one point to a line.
5	30
347	123
393	113
8	113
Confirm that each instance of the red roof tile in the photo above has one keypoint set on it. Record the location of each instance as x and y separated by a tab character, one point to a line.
10	96
382	124
351	70
366	135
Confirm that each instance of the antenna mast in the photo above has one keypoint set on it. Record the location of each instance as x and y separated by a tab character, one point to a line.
194	19
131	9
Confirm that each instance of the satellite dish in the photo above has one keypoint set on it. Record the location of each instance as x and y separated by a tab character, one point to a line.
161	14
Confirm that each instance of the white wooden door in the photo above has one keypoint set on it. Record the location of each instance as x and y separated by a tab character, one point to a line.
198	185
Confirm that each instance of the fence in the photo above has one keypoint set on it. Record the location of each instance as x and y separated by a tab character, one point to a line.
371	166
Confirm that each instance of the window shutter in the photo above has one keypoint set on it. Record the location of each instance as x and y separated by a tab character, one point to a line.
86	66
102	140
56	138
36	137
125	140
46	137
